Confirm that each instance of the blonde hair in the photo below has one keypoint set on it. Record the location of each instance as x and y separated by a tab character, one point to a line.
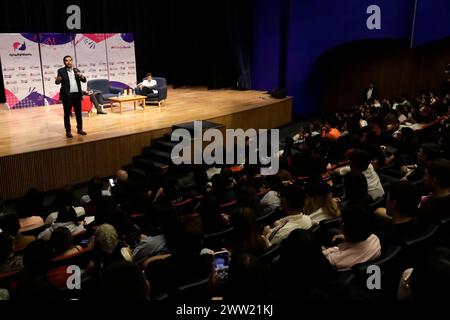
325	202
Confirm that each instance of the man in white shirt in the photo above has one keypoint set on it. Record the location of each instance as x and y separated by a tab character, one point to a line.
293	198
148	86
371	93
70	94
270	202
360	161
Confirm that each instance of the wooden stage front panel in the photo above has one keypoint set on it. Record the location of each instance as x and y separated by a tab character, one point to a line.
34	151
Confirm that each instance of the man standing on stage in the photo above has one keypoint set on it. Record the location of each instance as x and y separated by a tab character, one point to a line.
70	94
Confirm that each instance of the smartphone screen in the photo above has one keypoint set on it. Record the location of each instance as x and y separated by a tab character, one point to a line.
84	242
221	263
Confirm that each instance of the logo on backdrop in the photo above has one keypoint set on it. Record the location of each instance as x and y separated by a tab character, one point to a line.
18	49
19	46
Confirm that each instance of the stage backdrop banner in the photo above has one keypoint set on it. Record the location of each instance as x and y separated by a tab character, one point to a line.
121	59
54	46
19	53
90	49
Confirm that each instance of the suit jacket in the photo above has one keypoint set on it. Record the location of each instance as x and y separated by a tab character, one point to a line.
374	95
65	84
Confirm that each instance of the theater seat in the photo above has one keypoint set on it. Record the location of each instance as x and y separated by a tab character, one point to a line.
416	247
197	291
104	87
217	239
391	269
272	254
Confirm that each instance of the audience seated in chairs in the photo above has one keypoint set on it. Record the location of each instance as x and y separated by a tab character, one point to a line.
436	206
356	191
427	153
169	246
248	198
107	250
319	202
401	207
162	241
269	189
62	243
249	280
33	283
29	210
66	217
64	200
301	266
9	223
95	194
185	265
211	215
127	192
292	202
222	187
246	237
8	261
359	243
360	161
429	280
124	281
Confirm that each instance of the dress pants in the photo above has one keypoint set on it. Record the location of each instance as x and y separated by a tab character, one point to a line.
73	99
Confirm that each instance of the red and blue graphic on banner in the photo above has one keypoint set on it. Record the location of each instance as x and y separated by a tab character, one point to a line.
54	46
22	78
98	55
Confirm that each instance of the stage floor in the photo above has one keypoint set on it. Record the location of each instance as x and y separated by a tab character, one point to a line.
34	151
42	128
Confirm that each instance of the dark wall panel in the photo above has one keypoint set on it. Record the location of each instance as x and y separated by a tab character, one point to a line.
396	70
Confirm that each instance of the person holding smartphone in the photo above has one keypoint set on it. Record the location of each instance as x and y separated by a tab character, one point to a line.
221	264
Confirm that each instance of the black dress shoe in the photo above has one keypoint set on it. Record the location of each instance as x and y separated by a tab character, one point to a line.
102	112
81	132
69	134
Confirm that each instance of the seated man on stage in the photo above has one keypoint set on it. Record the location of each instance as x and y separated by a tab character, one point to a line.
148	87
97	99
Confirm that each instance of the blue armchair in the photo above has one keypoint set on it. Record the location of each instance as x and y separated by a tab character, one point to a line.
104	86
161	96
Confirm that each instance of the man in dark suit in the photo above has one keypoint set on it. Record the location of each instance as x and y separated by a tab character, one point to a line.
70	94
371	93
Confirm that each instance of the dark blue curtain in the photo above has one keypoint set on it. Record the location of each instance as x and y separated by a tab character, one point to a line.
188	42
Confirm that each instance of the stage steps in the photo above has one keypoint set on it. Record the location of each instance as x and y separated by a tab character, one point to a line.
157	157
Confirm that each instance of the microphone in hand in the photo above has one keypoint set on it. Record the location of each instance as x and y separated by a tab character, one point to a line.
77	73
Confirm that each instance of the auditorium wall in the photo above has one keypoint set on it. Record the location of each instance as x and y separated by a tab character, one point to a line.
315	27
